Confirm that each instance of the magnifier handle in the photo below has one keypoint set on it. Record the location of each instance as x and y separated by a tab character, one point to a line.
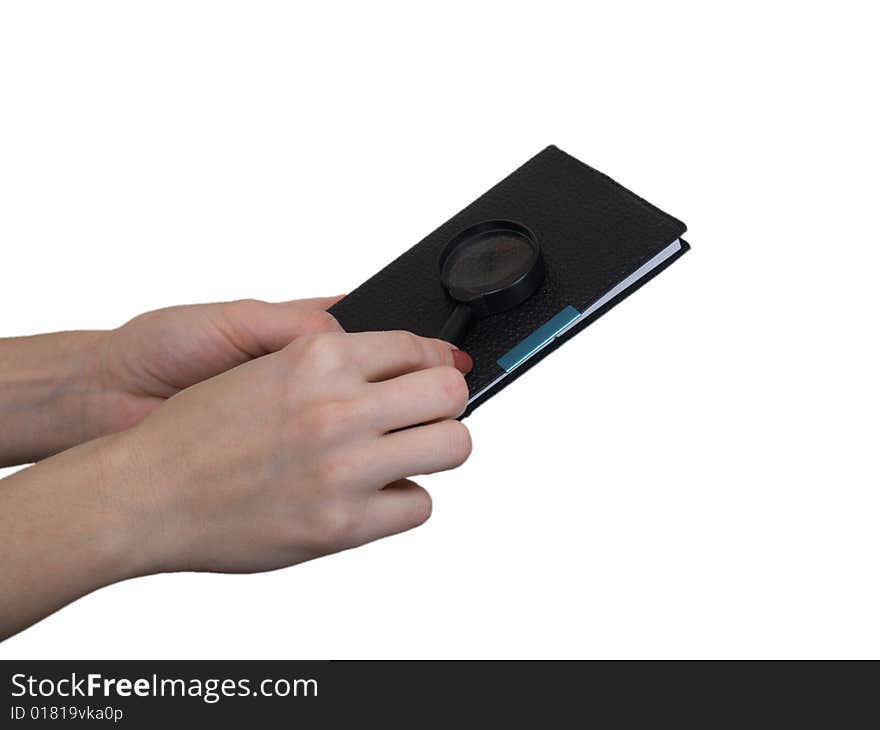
456	326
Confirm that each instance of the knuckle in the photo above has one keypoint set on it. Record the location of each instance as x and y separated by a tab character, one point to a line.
327	420
320	352
333	527
408	348
240	309
249	303
339	521
335	471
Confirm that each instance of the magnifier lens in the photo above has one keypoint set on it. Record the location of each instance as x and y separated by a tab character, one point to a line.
488	268
490	262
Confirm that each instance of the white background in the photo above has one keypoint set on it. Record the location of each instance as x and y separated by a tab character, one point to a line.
693	476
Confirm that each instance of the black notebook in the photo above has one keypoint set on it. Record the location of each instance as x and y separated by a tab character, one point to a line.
599	241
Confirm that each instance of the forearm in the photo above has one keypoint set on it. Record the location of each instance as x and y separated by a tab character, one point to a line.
67	527
50	392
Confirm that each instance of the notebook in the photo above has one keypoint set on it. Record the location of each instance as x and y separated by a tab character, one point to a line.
599	241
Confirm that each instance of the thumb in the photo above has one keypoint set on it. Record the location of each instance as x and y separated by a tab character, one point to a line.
259	327
316	302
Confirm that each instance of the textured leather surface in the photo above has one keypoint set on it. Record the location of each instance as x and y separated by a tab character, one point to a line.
592	231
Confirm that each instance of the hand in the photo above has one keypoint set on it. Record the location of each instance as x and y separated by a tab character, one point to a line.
284	458
294	455
158	354
62	389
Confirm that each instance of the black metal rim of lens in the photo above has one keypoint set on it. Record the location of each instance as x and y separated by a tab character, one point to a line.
511	293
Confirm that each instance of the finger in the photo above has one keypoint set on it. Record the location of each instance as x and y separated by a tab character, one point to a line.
421	450
398	507
316	302
419	397
384	355
259	328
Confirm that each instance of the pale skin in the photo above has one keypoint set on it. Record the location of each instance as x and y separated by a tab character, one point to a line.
234	437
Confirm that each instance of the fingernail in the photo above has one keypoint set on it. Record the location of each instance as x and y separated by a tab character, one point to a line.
462	360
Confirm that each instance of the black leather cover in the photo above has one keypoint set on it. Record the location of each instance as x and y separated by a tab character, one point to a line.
593	233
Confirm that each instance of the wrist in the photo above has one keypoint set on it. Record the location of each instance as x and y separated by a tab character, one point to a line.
143	536
129	536
50	387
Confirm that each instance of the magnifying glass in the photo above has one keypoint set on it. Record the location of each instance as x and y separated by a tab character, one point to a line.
486	269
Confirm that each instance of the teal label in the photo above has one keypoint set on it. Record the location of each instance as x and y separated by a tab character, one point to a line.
540	337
